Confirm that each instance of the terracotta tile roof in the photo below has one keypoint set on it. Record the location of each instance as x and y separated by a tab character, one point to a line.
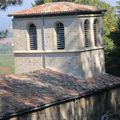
46	87
54	8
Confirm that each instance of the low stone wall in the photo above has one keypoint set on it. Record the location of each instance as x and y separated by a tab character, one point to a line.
100	106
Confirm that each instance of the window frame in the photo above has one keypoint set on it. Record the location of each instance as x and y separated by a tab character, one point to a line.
60	36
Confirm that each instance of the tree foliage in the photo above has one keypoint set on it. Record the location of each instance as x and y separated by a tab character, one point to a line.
5	3
118	5
38	2
3	34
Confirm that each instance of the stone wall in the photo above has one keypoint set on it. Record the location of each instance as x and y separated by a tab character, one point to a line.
101	106
28	62
75	59
20	33
82	64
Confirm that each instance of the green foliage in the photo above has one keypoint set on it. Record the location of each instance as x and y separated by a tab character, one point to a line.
89	2
118	23
109	45
118	5
38	2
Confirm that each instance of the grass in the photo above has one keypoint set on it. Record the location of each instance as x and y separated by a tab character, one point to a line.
7	63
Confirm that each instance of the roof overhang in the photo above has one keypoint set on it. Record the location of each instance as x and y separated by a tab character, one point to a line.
60	13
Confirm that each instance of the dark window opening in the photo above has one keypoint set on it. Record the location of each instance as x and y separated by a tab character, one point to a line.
96	33
33	37
87	33
60	36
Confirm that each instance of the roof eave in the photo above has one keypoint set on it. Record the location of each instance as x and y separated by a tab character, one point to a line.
60	13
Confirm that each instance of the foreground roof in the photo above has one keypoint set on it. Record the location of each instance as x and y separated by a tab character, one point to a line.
46	88
57	8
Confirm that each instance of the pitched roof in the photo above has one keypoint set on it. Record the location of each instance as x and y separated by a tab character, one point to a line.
56	8
47	88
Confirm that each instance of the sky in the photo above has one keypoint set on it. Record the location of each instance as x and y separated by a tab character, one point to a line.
111	2
6	22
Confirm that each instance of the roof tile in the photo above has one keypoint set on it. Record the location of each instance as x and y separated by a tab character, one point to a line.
56	7
46	87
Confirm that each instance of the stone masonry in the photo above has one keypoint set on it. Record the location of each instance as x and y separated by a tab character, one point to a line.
75	59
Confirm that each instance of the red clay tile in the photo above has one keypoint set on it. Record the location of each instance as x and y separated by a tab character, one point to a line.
53	8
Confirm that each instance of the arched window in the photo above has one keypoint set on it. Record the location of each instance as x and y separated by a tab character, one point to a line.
96	32
87	33
60	36
33	37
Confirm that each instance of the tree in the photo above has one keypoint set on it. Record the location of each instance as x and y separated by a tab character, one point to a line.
3	34
38	2
5	3
118	5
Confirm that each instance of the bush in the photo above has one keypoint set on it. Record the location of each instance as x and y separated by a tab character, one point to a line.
109	45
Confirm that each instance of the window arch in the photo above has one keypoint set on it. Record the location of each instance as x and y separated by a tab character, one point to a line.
96	32
87	33
60	35
33	37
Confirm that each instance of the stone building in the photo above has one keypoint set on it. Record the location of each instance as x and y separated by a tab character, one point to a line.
62	36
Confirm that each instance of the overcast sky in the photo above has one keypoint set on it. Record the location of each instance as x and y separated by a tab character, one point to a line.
6	22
